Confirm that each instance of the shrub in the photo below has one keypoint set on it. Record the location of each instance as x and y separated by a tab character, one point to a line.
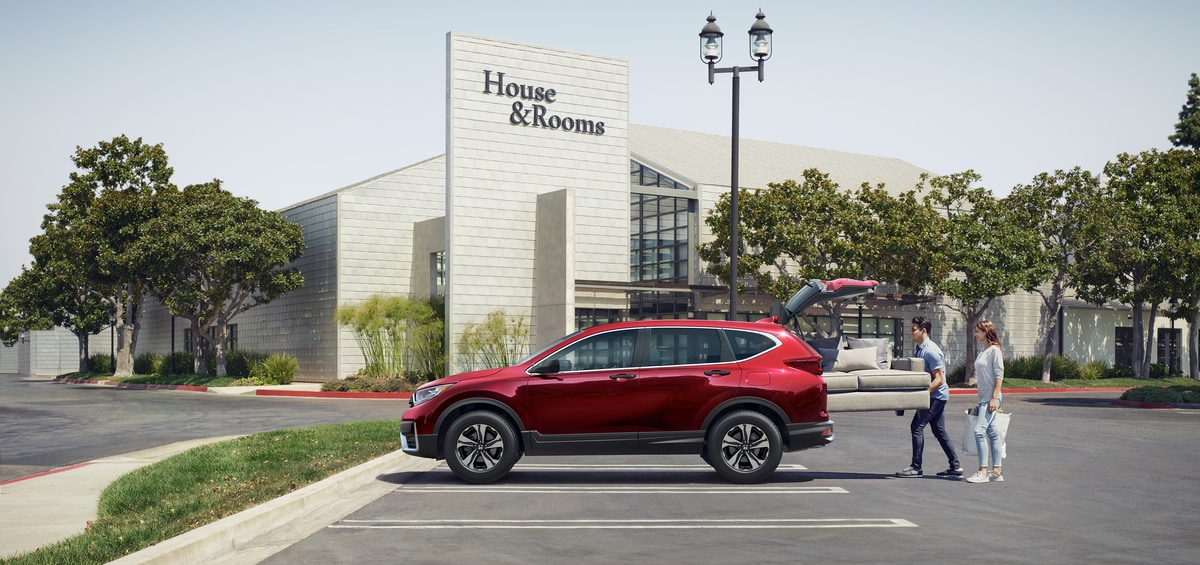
100	363
1159	371
1029	368
1191	396
182	364
1120	372
147	364
366	383
276	369
1155	394
1092	370
500	341
240	363
958	375
397	334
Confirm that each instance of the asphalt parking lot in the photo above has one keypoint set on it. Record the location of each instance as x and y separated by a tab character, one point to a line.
1087	482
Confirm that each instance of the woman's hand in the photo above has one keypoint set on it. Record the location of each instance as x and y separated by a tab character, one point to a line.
993	406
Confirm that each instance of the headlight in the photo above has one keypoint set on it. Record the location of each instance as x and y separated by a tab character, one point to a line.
427	393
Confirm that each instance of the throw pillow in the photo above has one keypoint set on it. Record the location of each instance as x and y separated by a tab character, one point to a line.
883	349
855	360
820	343
828	358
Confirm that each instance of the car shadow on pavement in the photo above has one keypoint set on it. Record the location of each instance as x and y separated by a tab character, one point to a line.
1075	402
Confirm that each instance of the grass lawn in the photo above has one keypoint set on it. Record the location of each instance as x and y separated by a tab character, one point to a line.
207	483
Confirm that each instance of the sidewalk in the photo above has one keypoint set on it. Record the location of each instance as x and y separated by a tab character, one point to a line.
41	509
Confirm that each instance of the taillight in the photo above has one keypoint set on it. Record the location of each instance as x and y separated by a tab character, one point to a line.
810	364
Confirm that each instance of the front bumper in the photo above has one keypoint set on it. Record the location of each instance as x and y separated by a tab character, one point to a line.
417	445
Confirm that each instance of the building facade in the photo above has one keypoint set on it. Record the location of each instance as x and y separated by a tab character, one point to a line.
548	204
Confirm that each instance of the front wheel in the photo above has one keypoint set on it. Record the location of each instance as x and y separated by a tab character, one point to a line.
744	447
480	447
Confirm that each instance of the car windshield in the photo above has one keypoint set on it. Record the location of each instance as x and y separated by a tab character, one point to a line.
548	347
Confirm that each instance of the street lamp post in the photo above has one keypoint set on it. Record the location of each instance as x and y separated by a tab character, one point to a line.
710	54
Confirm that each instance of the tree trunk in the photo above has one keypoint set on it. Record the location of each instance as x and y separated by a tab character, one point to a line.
1139	328
198	360
219	343
970	346
1193	342
83	351
1151	336
1054	306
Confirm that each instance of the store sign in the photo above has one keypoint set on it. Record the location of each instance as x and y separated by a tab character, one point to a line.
532	106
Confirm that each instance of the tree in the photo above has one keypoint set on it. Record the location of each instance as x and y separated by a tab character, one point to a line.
1141	226
1187	134
991	253
796	231
1187	131
221	255
1052	205
53	295
15	314
98	221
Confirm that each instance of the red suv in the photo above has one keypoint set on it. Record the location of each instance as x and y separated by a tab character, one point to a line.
739	394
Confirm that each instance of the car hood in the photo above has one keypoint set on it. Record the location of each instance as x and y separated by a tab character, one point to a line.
816	290
460	377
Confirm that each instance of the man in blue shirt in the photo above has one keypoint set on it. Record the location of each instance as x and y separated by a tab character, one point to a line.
935	416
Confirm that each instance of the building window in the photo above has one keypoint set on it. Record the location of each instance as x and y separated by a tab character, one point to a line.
187	340
232	336
1168	348
437	271
588	317
1123	338
655	305
659	238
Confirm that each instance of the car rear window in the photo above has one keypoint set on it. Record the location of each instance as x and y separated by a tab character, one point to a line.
748	344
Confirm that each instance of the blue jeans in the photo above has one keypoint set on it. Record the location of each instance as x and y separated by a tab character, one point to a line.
935	417
985	434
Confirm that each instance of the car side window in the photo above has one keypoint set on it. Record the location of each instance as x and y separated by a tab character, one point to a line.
748	344
684	346
610	350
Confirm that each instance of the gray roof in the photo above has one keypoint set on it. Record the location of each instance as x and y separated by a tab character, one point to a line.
704	158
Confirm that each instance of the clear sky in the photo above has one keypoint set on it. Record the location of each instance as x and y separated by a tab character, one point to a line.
288	100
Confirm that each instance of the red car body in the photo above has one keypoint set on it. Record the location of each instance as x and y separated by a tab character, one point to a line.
737	393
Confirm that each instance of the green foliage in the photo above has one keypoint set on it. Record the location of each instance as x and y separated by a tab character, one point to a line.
100	364
958	375
1191	396
238	363
363	383
147	364
183	363
276	369
500	341
1187	131
397	335
1159	371
1154	394
202	485
1120	372
1092	370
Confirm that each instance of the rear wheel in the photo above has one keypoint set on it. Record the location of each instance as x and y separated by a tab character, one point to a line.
480	447
744	447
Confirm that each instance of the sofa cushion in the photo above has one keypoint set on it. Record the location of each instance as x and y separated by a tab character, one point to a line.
820	343
828	358
883	349
841	383
856	360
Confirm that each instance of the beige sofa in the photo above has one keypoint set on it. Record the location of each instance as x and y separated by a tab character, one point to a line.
904	386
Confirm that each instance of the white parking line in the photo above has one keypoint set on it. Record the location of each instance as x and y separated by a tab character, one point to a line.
797	523
618	489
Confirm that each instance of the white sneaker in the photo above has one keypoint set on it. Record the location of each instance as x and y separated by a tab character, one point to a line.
996	477
978	477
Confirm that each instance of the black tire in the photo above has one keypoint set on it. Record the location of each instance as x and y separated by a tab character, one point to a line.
744	447
480	447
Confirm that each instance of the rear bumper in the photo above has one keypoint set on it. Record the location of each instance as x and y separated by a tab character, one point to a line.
808	435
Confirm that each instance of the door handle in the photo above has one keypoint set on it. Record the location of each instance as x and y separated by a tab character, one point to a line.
714	372
622	376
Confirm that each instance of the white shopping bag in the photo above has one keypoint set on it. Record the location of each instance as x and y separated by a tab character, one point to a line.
1000	421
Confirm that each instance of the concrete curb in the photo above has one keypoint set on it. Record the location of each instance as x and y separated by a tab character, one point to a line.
239	531
329	394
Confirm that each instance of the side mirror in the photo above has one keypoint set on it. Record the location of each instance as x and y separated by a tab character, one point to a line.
547	368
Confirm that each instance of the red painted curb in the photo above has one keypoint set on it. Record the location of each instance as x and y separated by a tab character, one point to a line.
323	394
1039	390
44	473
